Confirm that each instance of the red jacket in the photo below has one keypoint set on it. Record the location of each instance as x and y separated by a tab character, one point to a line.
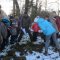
35	27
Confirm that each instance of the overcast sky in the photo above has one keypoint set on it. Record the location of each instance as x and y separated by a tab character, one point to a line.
7	5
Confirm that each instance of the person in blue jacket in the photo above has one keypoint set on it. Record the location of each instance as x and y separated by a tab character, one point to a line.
48	31
52	20
13	29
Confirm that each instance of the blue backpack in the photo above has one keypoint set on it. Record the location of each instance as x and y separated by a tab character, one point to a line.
46	26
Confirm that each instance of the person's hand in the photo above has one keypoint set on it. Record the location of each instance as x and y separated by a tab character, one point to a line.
40	31
23	29
31	30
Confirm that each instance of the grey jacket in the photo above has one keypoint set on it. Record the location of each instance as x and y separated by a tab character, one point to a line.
24	21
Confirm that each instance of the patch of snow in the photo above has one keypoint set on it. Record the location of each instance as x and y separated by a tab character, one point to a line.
34	55
7	48
40	56
43	50
58	58
17	54
54	55
3	53
50	52
38	41
46	57
25	39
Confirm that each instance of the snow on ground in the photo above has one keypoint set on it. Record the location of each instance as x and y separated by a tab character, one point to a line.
17	53
35	55
40	56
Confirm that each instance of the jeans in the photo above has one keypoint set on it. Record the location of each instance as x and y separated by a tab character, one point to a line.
48	41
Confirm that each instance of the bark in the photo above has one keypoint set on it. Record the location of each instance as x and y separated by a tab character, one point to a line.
13	7
26	6
17	8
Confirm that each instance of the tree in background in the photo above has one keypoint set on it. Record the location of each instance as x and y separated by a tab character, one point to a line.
26	6
16	9
36	9
30	7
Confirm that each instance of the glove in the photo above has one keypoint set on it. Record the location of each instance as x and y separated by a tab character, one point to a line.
40	31
23	29
31	30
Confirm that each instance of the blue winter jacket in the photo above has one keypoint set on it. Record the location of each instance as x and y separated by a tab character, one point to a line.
46	26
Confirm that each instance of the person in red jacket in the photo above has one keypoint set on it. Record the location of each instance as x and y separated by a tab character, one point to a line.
35	29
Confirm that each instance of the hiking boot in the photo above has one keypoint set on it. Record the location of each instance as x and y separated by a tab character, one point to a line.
55	50
46	53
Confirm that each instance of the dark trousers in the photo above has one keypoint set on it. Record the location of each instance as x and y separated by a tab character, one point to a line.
3	44
22	33
35	34
13	39
5	40
44	38
8	35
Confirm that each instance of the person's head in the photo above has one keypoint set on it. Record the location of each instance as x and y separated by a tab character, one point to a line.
46	17
11	18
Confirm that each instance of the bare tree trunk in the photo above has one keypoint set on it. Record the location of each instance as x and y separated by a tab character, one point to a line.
13	7
31	3
17	8
36	4
45	5
26	6
39	9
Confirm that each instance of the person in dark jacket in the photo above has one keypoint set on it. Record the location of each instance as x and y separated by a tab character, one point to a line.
53	38
49	31
25	23
13	29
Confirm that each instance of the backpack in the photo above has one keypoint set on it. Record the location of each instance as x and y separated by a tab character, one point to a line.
46	26
6	22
